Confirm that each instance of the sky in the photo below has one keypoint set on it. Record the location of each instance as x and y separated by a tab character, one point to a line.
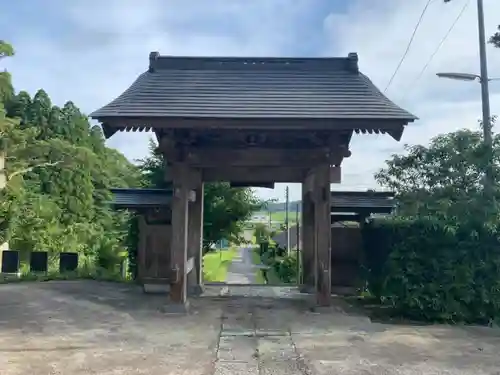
90	51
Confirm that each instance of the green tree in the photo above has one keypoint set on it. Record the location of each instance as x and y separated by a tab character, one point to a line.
444	178
225	208
59	173
6	89
261	233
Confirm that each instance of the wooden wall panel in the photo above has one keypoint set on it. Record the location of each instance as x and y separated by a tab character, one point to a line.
347	250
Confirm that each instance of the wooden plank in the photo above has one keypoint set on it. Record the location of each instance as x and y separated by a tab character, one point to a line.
253	174
198	223
161	235
195	232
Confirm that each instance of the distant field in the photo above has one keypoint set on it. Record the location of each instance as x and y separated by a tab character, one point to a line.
279	216
216	263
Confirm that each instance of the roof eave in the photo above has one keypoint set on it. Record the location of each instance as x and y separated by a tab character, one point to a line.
392	126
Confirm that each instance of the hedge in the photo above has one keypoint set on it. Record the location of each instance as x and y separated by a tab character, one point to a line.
428	269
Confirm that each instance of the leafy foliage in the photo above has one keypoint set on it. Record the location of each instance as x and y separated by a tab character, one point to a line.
132	244
444	178
225	211
438	258
59	172
261	233
428	269
495	39
286	269
282	265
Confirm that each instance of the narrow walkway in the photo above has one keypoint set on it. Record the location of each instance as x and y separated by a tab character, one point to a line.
241	270
249	344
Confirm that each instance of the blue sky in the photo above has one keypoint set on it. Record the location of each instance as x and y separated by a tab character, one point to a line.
89	51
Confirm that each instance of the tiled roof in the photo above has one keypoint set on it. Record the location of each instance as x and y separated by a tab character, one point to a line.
281	237
143	198
353	201
252	88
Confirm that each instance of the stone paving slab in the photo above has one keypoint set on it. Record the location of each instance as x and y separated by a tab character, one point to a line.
237	368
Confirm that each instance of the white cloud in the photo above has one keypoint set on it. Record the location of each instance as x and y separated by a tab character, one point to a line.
108	42
379	31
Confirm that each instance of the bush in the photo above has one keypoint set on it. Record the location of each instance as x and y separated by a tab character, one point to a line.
281	251
286	269
433	270
284	266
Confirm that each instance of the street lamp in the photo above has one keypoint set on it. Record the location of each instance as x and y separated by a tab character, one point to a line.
485	96
464	77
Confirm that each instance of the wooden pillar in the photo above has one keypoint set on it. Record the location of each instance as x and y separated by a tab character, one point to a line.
322	234
141	250
195	235
308	250
179	244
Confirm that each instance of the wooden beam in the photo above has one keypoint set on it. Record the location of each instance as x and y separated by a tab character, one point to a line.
195	234
252	174
247	157
254	157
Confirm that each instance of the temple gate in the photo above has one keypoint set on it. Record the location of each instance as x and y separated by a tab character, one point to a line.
252	121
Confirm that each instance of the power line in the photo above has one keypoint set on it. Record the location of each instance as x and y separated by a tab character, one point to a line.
438	48
409	44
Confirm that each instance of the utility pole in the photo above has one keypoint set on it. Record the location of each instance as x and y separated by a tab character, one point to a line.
287	201
489	181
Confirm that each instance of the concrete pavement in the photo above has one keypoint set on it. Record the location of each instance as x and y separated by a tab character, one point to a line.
241	270
87	327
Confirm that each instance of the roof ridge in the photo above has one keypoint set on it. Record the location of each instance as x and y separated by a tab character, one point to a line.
159	62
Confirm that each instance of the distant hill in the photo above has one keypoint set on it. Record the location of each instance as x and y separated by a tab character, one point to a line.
281	206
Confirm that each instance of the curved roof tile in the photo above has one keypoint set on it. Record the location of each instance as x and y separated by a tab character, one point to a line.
251	88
